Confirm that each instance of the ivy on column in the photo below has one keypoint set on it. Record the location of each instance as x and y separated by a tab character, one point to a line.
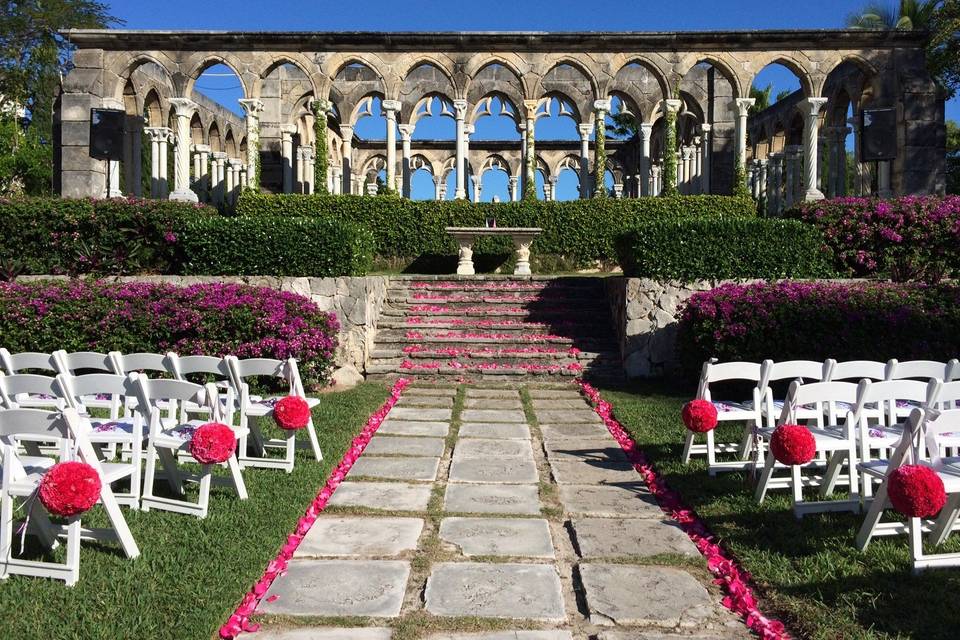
321	162
670	152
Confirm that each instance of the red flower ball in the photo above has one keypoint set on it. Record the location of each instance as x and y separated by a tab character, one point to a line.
70	488
699	416
291	413
213	443
792	444
916	491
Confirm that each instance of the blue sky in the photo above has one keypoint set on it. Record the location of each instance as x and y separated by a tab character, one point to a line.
453	15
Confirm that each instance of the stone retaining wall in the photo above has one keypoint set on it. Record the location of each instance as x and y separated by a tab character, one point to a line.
356	301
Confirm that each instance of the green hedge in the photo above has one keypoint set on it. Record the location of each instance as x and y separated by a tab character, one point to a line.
723	248
583	231
274	246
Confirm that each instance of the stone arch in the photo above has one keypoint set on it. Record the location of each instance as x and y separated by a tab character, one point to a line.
197	128
496	161
354	81
424	107
125	73
628	83
569	161
726	69
787	60
214	137
295	59
230	144
206	61
518	87
483	107
373	166
409	86
582	91
363	108
153	109
867	69
419	161
566	106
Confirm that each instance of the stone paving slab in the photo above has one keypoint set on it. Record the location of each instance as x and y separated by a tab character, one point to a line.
418	413
414	428
505	635
584	449
326	633
430	391
572	431
492	498
592	472
491	449
657	596
352	536
554	393
425	401
395	445
339	588
493	415
407	468
493	403
504	471
564	416
497	430
528	591
610	501
547	404
621	537
387	496
492	393
729	634
516	537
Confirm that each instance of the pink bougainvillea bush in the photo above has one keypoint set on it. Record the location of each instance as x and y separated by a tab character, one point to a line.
818	320
210	319
909	238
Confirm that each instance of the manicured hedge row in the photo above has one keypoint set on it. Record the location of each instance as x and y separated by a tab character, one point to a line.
581	230
212	319
909	238
722	248
116	237
819	320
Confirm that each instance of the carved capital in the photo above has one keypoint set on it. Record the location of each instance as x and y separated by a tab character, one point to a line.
406	131
811	106
585	130
531	107
252	106
672	106
742	106
646	130
183	107
460	106
601	106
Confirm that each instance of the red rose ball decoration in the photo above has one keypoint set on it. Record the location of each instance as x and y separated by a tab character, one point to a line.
213	443
792	444
699	416
291	413
916	491
70	488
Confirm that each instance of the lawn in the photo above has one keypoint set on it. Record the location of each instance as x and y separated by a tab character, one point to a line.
191	573
809	574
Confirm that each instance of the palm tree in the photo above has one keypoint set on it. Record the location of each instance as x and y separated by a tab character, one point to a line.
912	15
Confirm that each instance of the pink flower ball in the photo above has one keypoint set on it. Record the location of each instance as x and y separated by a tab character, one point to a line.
213	443
291	413
699	416
70	488
916	491
792	444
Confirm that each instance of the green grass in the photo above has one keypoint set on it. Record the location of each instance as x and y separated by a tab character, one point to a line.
808	573
191	573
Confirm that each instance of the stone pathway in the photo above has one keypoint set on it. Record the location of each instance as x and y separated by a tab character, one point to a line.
481	513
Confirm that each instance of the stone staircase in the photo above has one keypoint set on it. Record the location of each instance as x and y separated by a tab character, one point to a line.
489	327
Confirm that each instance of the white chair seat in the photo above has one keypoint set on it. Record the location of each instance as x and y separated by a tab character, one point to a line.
949	472
875	468
884	436
34	467
106	431
179	436
263	406
830	438
113	471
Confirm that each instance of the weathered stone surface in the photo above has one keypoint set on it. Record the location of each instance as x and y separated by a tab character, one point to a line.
396	445
425	401
505	635
406	468
564	416
548	404
492	403
492	498
504	430
339	588
447	392
610	501
492	449
517	537
507	470
351	536
727	634
573	431
603	448
326	633
554	393
418	413
492	393
529	591
592	472
346	377
644	595
621	537
493	415
386	496
414	428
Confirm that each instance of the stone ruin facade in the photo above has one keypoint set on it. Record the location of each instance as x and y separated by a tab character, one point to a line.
201	151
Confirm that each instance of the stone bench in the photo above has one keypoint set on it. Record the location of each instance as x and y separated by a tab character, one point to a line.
522	238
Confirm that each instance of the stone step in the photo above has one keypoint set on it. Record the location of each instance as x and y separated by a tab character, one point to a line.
521	288
471	354
558	315
446	371
391	340
500	325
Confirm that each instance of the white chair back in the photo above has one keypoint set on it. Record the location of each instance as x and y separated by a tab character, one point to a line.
888	395
117	388
154	396
14	389
14	363
925	369
859	370
714	371
267	367
82	361
834	400
147	362
185	365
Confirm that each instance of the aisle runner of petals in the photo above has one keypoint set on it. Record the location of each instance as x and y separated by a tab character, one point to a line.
729	575
240	619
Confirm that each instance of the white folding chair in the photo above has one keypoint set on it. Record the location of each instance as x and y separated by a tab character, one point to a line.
27	361
252	408
21	477
834	437
115	429
857	370
922	370
153	365
207	366
920	445
802	370
168	437
82	362
31	391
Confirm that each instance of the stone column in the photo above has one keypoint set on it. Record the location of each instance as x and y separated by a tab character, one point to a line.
530	152
600	110
334	182
696	149
164	146
475	179
133	155
741	107
468	167
228	181
792	154
406	134
514	182
655	180
244	182
861	183
522	130
842	186
201	170
775	188
253	107
371	188
390	108
687	170
346	133
309	157
811	115
705	157
184	108
585	131
553	188
217	186
298	186
646	132
832	137
460	106
763	178
437	187
884	189
617	190
286	152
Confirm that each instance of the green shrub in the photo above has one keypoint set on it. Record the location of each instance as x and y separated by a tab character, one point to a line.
582	231
723	248
274	246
